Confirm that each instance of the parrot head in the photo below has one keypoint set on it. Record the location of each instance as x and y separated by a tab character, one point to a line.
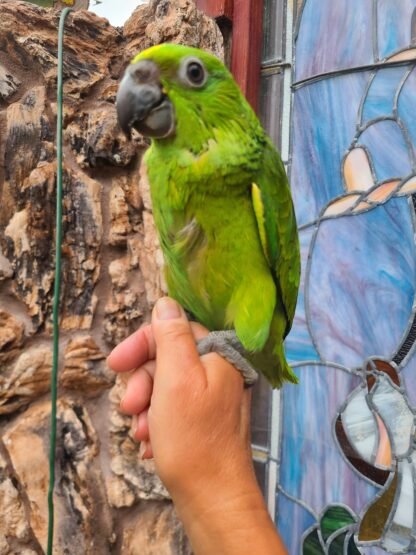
169	91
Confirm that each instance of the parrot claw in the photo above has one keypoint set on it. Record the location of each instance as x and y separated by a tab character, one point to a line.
227	344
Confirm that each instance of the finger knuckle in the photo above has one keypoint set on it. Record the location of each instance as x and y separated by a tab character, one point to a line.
176	332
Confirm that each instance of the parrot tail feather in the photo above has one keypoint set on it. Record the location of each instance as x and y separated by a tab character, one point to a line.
275	367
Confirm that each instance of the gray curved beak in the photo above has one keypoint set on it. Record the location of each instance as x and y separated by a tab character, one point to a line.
141	103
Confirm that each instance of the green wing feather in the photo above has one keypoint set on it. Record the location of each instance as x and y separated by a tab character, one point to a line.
273	207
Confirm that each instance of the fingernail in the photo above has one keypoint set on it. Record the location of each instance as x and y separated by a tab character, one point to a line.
168	309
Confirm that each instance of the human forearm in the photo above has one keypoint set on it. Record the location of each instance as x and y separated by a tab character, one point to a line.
230	523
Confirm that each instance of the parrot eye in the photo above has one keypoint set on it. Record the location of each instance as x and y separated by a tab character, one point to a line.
192	73
195	73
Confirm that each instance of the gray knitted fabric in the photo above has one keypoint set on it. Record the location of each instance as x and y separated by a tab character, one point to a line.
227	344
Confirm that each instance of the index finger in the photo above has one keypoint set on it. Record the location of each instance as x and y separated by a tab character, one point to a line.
134	351
140	347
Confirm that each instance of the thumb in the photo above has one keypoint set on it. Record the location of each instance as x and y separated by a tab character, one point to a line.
176	352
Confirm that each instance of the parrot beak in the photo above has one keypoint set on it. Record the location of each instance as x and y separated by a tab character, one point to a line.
142	104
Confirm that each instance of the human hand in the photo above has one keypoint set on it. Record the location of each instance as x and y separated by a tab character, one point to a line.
194	413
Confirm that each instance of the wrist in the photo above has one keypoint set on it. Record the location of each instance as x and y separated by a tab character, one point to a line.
232	519
199	490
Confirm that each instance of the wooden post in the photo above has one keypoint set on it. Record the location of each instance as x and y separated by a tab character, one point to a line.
246	17
247	46
216	8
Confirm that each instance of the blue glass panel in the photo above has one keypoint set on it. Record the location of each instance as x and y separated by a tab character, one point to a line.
361	284
292	521
374	551
407	106
408	378
388	150
313	468
394	25
298	345
319	49
381	95
324	124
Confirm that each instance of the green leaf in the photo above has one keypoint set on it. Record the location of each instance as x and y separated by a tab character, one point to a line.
312	544
334	518
337	545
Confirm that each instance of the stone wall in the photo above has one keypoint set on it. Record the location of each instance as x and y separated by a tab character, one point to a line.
107	499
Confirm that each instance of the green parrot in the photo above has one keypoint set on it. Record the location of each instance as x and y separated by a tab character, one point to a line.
221	202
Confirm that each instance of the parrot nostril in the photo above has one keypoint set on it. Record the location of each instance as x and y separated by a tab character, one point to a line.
144	72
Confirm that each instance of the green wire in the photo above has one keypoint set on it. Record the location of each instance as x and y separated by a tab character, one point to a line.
58	243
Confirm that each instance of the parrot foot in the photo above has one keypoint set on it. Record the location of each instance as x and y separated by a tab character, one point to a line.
227	344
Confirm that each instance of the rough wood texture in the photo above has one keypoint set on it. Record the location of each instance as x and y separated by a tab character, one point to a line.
246	47
108	501
216	8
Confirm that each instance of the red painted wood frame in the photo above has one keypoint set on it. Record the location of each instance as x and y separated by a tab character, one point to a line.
246	17
217	8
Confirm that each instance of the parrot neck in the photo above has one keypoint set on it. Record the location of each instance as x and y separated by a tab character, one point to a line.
204	119
226	162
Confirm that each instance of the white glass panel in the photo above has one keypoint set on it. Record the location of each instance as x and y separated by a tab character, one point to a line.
360	425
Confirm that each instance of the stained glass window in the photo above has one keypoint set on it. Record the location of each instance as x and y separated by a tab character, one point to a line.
339	100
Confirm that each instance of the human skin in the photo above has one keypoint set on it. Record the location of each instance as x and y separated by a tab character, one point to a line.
192	414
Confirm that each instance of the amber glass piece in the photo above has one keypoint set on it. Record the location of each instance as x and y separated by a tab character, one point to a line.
403	56
362	206
341	205
409	186
383	191
371	380
384	454
357	171
384	366
374	520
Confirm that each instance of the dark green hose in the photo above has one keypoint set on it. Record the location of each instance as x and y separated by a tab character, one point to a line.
58	245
